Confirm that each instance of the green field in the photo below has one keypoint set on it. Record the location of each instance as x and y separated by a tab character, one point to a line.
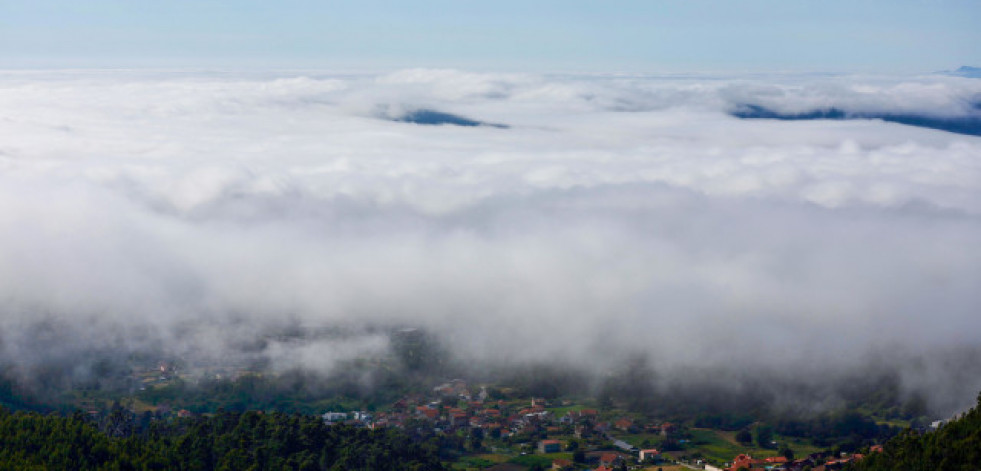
719	446
558	412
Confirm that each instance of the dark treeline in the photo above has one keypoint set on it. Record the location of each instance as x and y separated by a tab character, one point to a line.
955	447
225	441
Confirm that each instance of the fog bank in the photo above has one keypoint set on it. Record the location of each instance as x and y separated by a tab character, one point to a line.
224	216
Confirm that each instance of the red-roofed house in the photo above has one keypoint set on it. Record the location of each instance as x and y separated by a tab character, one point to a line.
624	424
610	459
649	455
745	461
459	419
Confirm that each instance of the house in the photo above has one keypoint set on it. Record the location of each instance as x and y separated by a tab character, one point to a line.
549	446
802	463
583	431
331	417
459	419
876	449
649	455
427	412
843	461
624	424
610	459
746	461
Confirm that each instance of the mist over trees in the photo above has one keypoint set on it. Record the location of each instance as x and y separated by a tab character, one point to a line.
417	358
275	239
955	446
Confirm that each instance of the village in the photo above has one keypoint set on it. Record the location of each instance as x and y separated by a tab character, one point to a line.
533	433
494	427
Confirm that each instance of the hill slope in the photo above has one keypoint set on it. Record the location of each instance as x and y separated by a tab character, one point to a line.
955	446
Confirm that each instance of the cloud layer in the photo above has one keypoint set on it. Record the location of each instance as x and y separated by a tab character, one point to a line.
613	215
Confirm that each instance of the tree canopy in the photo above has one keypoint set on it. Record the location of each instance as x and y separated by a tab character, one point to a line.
225	441
956	446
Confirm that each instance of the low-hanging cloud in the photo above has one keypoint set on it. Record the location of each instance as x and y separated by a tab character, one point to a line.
194	214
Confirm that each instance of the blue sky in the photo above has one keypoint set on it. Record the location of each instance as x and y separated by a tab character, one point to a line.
547	35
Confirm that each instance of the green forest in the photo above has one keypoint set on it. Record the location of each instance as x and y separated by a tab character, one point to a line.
956	446
224	441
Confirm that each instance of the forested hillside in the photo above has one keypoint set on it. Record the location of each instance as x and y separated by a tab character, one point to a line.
956	446
226	441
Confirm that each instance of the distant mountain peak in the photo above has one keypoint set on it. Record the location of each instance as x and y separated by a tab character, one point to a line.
965	71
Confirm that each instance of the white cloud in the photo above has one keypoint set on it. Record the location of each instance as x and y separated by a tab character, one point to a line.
614	210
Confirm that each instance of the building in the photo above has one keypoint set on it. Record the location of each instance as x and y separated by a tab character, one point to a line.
649	455
610	460
549	446
624	424
746	461
330	417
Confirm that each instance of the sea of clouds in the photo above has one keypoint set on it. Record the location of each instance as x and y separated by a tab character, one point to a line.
612	215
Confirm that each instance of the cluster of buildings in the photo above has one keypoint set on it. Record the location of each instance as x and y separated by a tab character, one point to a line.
451	412
453	407
815	462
